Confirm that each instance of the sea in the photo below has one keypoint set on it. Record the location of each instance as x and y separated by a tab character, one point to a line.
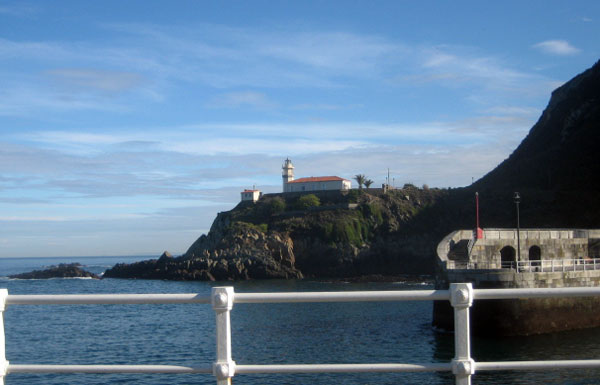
378	332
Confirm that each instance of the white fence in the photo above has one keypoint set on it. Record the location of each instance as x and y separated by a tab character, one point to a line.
553	265
533	266
222	299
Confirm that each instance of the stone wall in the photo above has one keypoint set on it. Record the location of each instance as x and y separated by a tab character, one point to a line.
553	244
508	278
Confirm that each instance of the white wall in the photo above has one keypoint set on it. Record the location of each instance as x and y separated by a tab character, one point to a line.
318	186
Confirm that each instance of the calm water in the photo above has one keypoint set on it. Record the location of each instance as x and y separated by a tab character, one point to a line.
269	333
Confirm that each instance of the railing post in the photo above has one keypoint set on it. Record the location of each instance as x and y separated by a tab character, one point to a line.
3	362
222	303
461	298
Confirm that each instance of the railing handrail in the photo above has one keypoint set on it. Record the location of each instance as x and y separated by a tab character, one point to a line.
105	299
295	297
222	299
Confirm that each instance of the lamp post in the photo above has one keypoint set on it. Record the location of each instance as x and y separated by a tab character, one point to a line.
517	199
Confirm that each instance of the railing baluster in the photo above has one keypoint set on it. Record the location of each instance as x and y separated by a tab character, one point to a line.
222	303
461	298
3	362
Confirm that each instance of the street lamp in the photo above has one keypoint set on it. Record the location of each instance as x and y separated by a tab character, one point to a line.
517	199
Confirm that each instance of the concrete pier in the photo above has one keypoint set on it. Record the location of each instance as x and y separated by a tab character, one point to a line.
550	258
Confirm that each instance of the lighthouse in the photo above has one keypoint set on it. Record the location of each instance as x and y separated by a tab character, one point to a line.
288	173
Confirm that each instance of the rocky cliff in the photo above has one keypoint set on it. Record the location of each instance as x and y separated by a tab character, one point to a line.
342	235
364	232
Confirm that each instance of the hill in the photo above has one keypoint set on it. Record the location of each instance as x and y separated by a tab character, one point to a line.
561	150
363	232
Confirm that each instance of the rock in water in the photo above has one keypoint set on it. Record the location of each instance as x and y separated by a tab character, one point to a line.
63	270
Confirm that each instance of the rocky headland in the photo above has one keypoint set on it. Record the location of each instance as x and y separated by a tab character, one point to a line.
374	232
346	234
63	270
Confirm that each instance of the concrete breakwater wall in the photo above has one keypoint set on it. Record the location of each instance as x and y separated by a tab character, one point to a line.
502	245
562	248
523	316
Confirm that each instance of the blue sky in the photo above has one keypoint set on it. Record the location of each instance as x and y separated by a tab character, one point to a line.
126	126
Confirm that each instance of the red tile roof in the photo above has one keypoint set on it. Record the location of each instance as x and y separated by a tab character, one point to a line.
317	179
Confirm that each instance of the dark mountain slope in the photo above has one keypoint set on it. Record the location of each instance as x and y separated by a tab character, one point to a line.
561	152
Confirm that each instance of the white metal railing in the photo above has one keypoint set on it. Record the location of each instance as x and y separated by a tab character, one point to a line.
533	266
552	265
460	295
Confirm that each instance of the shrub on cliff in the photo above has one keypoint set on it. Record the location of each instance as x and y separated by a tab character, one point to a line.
354	195
243	226
348	230
307	202
373	212
276	206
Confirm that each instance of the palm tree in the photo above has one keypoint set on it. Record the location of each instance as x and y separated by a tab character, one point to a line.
368	183
360	179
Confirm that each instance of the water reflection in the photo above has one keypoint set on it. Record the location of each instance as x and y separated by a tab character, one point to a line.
570	345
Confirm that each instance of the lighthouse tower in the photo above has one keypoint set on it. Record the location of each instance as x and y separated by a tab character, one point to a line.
288	173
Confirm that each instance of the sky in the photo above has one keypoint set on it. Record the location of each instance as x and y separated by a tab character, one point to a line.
126	126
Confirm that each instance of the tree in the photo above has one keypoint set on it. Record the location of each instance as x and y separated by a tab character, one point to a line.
308	201
360	179
368	183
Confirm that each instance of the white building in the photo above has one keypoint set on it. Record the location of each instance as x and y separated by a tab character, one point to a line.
251	195
318	183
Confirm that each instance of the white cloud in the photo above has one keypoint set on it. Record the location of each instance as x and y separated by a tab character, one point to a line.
186	161
36	219
241	99
102	80
66	137
221	139
18	10
28	98
556	47
513	110
477	77
339	51
153	63
325	106
463	65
